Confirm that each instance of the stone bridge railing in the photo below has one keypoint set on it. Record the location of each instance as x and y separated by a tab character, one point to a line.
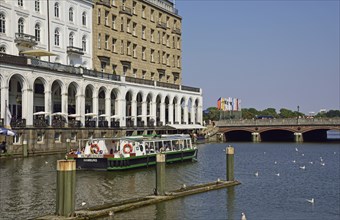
278	122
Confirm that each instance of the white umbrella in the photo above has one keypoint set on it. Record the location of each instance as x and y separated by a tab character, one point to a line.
7	132
41	113
103	115
115	116
59	113
143	115
38	53
73	115
91	114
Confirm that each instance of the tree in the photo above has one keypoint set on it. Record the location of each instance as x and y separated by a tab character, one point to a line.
269	112
286	113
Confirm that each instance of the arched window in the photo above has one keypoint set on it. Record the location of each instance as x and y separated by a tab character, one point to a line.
2	49
56	10
70	14
56	37
2	23
37	5
37	32
83	43
21	26
70	39
84	18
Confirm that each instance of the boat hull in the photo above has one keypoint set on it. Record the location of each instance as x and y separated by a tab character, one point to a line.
112	164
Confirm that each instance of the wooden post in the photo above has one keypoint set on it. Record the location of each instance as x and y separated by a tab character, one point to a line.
24	148
66	185
160	174
230	163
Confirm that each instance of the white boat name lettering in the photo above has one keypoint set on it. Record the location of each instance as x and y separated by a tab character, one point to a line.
90	160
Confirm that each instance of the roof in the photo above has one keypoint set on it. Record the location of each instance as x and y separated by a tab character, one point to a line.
186	127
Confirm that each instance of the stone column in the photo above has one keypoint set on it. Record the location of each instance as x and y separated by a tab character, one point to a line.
185	114
134	112
4	98
154	112
171	114
48	103
64	103
122	112
193	114
144	112
256	137
162	113
27	106
108	107
298	137
95	105
199	117
80	108
178	116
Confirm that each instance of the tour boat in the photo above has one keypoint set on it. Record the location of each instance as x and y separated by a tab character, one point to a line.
131	152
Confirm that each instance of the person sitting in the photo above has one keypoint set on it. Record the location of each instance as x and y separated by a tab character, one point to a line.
3	147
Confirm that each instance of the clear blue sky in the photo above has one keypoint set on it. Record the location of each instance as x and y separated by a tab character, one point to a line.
269	54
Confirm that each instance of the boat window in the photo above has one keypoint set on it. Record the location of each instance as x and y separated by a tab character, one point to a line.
167	145
141	147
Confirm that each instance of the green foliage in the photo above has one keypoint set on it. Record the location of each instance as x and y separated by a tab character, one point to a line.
214	114
286	113
329	114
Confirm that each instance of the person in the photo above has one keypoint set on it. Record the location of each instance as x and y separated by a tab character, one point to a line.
3	147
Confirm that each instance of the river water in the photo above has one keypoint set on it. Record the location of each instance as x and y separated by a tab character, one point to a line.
28	185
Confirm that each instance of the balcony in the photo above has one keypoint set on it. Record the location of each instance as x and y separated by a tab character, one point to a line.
40	123
104	2
161	25
176	31
74	124
74	50
125	10
18	123
25	40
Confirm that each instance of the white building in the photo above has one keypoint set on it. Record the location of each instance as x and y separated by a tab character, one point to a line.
63	28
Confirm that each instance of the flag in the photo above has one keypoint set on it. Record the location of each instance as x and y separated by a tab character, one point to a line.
8	118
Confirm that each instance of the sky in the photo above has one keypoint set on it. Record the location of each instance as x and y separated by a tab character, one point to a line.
270	54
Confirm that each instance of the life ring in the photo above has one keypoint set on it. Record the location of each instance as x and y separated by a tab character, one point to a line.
127	148
94	148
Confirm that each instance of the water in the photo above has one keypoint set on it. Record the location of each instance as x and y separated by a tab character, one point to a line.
28	185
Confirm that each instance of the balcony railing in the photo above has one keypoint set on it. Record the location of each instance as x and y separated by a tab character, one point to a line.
103	124
40	123
74	124
16	60
191	89
177	31
167	85
139	81
18	123
90	124
161	25
125	10
114	124
104	2
101	75
55	66
25	39
75	50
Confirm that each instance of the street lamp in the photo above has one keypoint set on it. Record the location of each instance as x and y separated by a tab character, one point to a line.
297	118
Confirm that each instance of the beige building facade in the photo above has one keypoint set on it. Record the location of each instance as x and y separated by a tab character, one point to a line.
138	39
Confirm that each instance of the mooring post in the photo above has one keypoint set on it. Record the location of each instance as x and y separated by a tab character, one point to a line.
66	185
24	148
230	163
160	174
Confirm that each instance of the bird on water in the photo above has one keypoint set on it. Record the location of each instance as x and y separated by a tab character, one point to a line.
243	216
310	200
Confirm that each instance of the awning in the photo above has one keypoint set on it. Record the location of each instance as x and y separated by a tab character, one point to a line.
186	127
91	114
41	113
38	53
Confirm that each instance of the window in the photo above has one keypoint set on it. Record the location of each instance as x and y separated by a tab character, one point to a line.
164	58
106	18
167	40
143	32
98	16
2	49
98	42
152	76
159	56
173	61
135	50
128	48
134	4
114	45
83	20
159	37
84	43
103	66
113	22
70	14
2	23
168	59
107	37
37	32
122	24
122	47
21	26
152	56
125	69
178	40
114	67
151	36
135	73
152	18
56	10
37	5
20	3
143	53
56	37
128	25
134	27
173	42
143	11
70	39
143	74
179	61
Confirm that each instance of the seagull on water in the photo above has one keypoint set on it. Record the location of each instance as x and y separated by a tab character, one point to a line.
303	155
296	149
257	173
303	167
311	162
277	174
322	164
310	200
275	162
321	159
243	216
294	161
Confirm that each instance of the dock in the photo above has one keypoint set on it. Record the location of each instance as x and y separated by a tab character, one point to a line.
126	205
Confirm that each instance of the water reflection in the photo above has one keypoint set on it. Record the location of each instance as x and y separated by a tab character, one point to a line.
230	202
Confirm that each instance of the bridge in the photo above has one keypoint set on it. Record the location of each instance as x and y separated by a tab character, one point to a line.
298	129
